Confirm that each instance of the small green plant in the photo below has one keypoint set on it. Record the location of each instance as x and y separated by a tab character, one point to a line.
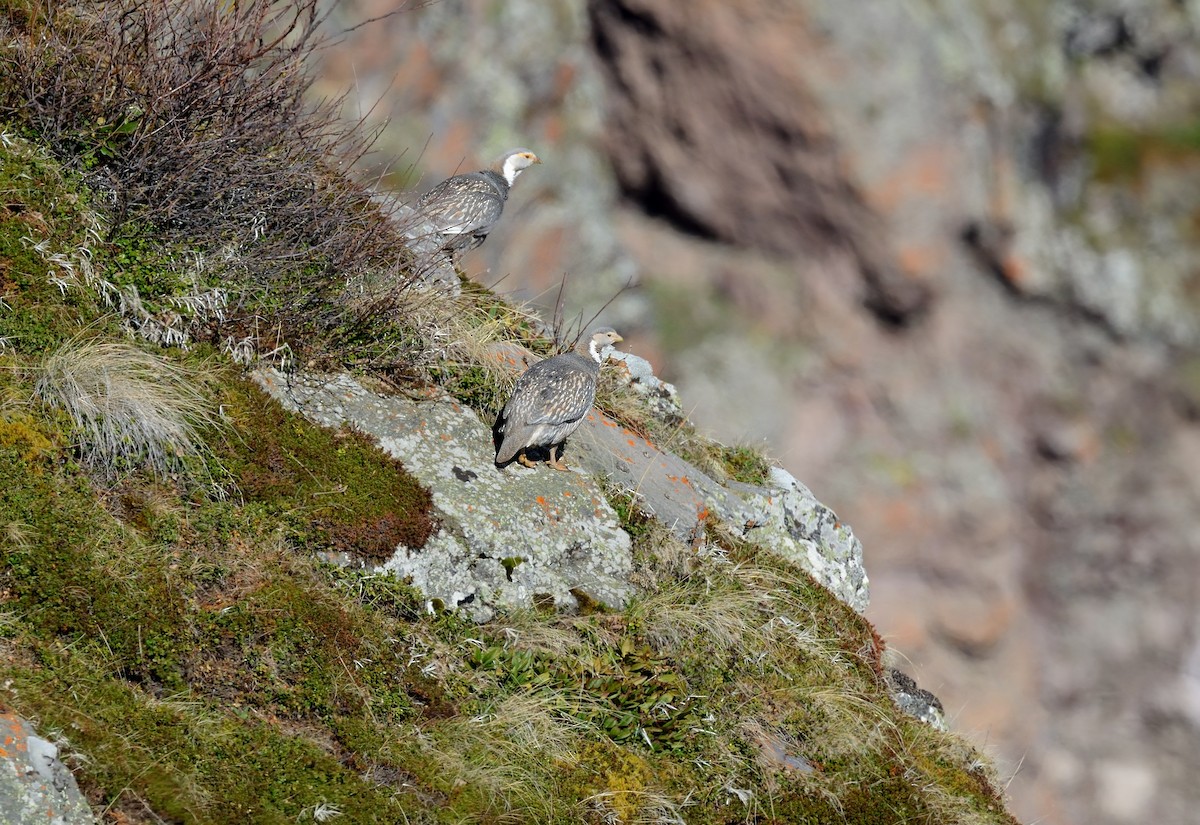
638	695
630	693
101	141
1119	152
746	464
633	519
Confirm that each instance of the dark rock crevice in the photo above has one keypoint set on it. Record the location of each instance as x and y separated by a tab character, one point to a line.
726	143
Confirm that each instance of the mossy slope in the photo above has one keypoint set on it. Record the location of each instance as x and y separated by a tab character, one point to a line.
178	631
205	667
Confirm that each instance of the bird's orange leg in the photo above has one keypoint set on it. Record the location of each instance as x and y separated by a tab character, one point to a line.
555	459
524	460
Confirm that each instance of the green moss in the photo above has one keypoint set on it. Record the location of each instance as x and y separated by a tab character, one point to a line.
185	760
1120	153
20	433
292	647
37	202
746	464
615	775
80	577
338	490
218	616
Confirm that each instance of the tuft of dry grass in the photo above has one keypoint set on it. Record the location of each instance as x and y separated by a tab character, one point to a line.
534	632
708	607
651	807
511	752
130	408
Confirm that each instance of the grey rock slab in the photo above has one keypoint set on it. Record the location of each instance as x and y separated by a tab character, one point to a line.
915	701
506	535
36	788
782	516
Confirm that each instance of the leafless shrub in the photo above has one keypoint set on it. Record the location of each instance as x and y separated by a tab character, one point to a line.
193	119
130	408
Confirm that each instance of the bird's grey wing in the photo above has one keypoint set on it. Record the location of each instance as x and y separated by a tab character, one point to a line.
569	399
462	205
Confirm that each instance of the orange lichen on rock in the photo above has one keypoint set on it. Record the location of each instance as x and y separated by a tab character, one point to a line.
921	259
14	741
1015	269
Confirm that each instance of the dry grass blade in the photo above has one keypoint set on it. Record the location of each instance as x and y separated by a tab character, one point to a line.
130	407
712	609
510	753
641	807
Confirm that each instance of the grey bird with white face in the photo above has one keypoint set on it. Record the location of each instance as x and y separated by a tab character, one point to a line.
464	208
550	401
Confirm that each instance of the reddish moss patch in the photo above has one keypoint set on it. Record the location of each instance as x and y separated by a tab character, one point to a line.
337	488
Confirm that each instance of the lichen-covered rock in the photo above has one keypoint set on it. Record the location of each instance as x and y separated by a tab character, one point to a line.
36	788
786	517
507	537
915	701
511	535
660	396
782	516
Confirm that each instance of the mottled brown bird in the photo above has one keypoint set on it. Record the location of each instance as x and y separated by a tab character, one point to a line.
464	208
550	400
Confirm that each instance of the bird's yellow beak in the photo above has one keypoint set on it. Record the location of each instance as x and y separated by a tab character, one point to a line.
531	157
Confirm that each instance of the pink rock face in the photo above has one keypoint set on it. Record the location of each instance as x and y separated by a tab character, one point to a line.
712	125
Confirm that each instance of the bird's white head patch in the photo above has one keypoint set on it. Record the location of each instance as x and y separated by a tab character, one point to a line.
515	161
602	340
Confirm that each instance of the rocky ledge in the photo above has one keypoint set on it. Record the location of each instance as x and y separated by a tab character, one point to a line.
516	537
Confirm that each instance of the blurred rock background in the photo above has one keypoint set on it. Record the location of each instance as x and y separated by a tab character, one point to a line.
942	258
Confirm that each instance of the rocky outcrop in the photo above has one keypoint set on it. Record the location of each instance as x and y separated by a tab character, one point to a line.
505	538
914	700
782	515
516	537
36	788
